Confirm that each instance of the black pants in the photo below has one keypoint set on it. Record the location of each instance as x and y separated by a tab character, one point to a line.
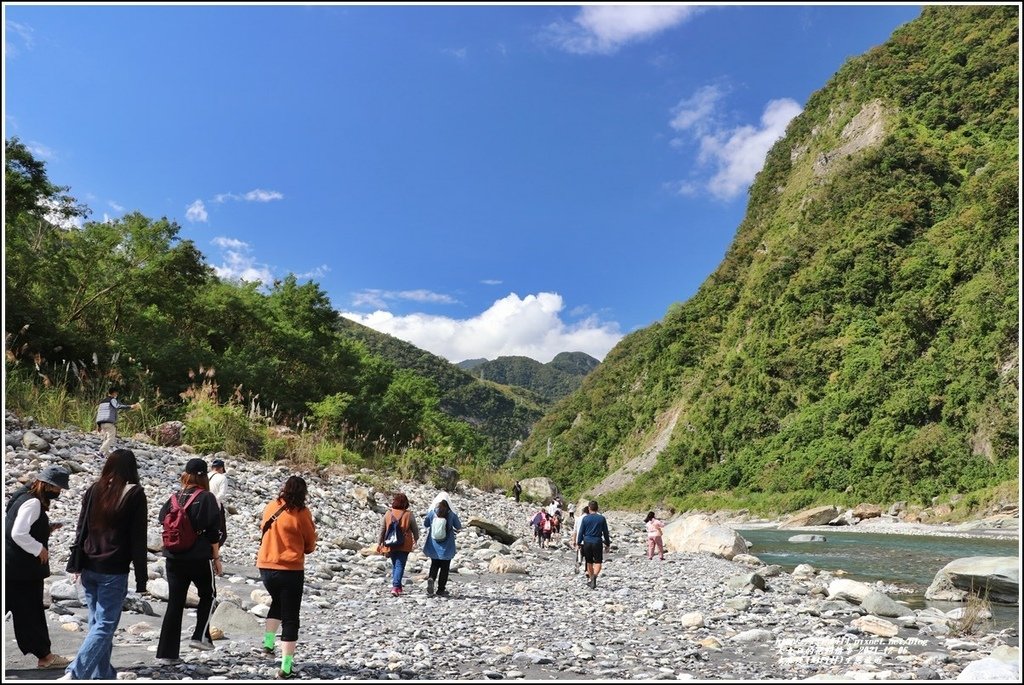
24	599
180	574
285	588
439	570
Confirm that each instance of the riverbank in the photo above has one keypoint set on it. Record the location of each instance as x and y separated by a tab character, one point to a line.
516	611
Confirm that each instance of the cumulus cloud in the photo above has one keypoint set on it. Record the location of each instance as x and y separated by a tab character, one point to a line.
239	264
196	212
60	214
603	29
531	326
373	297
735	154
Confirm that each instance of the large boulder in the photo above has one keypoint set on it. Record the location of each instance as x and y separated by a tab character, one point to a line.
234	621
998	578
849	590
699	533
541	490
881	604
818	516
168	433
493	529
867	511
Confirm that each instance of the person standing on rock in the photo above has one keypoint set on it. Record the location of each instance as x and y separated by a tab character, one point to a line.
441	524
408	532
27	562
288	536
106	417
593	527
517	491
197	564
654	541
219	488
112	525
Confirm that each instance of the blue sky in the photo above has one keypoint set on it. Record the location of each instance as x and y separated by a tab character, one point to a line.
478	180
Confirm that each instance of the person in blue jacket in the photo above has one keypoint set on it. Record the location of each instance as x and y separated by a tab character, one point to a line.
440	525
593	528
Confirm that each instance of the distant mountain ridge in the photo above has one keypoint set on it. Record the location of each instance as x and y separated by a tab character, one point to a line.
551	381
504	415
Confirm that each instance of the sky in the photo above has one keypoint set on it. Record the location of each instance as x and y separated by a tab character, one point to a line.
479	180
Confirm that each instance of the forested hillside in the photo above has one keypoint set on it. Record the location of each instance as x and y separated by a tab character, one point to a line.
861	334
129	302
551	381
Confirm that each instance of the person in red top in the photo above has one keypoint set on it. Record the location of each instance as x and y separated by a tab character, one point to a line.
410	532
288	536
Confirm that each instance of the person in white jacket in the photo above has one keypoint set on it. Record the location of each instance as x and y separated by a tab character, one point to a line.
219	488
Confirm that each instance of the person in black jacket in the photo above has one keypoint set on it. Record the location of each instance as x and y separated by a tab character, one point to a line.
27	562
113	521
196	565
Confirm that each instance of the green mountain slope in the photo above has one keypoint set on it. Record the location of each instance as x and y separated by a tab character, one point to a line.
861	334
503	415
551	381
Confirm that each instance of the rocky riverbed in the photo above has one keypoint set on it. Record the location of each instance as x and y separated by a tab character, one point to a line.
515	611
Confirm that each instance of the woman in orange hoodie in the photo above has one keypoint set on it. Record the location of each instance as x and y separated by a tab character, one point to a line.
288	536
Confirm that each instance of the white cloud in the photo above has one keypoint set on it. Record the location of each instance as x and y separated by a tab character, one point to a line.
260	195
116	207
318	272
459	53
736	154
491	281
239	264
374	297
603	29
58	214
196	211
529	326
697	111
23	31
221	198
40	150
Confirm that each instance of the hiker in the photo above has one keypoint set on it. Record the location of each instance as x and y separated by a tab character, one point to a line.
408	533
575	534
440	526
112	531
517	490
288	536
106	417
27	562
537	522
654	542
197	564
593	527
219	488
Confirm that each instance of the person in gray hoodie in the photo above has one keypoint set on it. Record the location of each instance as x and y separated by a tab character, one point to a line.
440	525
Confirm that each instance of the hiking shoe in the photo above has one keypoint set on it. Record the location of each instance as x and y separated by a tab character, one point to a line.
430	587
57	661
282	675
201	644
442	593
593	582
169	660
396	591
266	650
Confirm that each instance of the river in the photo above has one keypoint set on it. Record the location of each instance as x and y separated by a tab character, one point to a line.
909	561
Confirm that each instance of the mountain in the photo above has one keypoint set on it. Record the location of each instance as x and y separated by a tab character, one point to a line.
551	381
861	335
503	415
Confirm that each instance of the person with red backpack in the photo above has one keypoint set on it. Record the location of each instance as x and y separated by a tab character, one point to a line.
191	521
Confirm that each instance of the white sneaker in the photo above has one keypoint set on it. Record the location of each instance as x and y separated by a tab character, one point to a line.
201	644
66	676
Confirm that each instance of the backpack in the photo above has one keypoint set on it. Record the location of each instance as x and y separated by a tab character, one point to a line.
393	536
178	535
547	525
439	529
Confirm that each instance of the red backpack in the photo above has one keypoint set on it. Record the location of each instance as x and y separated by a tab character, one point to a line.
178	535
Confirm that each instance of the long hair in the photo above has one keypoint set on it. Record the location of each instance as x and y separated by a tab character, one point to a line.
36	489
293	493
120	469
195	480
650	516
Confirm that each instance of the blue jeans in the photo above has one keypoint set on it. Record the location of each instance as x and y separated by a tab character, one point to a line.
398	560
104	594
